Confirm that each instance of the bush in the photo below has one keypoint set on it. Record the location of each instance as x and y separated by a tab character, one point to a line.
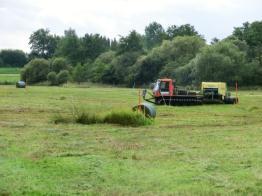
62	77
79	74
51	77
59	64
35	71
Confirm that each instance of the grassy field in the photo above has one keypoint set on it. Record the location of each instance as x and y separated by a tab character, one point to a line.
194	150
9	75
9	70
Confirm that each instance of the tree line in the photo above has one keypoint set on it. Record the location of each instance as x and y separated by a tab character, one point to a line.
178	52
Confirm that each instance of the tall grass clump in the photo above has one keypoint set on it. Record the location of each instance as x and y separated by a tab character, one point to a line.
127	119
87	118
124	118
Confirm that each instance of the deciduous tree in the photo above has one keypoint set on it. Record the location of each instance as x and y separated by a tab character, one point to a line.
43	44
154	35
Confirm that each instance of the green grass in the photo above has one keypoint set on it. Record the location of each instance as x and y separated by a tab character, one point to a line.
9	75
127	118
9	78
194	150
9	70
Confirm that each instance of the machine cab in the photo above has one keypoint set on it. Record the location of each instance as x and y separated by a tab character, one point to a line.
163	87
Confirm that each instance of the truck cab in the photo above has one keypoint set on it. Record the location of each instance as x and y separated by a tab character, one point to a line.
163	87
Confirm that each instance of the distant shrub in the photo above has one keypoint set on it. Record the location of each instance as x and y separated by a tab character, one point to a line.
5	82
35	71
1	62
59	64
62	77
12	58
79	74
51	77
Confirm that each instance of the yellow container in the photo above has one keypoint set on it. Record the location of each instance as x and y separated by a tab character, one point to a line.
221	86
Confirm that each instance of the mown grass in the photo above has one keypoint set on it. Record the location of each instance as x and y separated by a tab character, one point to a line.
194	150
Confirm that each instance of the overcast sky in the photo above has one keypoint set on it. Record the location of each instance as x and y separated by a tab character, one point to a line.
211	18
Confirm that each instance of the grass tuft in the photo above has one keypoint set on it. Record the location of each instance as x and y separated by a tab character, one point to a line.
127	119
123	118
87	118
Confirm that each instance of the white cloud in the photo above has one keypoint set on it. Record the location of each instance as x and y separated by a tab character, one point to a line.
18	19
